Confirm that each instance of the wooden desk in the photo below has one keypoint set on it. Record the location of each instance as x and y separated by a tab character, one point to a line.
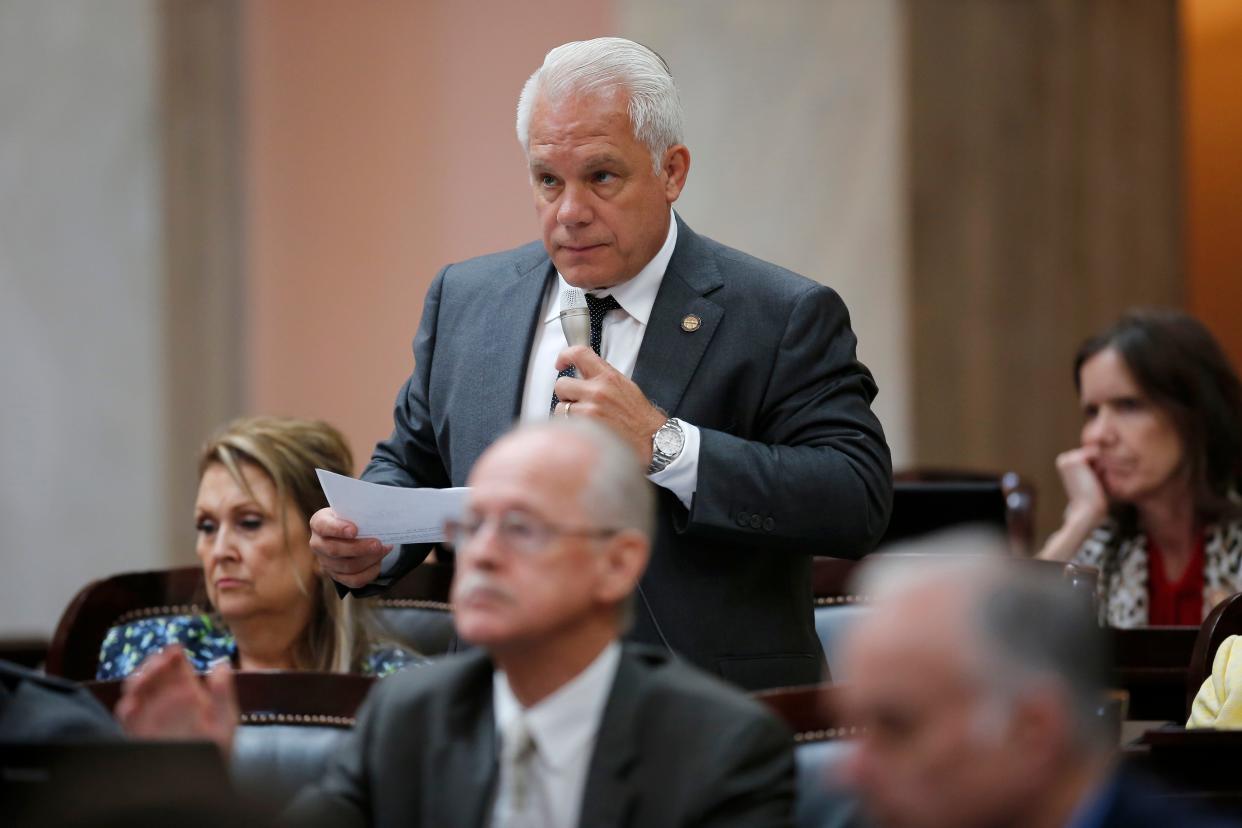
1201	765
281	697
1151	664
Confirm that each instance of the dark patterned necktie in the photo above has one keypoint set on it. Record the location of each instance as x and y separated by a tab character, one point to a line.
598	307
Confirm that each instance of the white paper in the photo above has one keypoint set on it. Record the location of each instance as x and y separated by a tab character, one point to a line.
393	514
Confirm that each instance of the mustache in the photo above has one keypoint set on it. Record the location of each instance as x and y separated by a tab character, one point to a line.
468	585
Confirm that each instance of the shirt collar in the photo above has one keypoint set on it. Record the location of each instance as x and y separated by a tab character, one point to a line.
566	721
635	296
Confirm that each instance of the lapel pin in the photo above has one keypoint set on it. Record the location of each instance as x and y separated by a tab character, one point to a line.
690	323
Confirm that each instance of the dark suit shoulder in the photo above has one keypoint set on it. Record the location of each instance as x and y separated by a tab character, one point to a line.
37	708
672	688
11	675
1139	801
484	269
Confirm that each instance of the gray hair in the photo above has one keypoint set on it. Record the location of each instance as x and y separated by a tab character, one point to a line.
617	495
600	66
1029	627
1034	627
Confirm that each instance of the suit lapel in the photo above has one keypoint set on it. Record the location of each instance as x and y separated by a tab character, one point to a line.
669	354
465	771
502	373
609	795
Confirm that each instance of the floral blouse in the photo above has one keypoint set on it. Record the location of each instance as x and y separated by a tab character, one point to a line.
206	642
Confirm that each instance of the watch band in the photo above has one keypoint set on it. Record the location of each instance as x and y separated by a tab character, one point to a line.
671	431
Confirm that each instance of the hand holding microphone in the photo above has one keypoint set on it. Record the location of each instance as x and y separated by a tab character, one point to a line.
575	317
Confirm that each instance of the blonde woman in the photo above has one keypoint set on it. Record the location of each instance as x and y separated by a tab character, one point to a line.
272	608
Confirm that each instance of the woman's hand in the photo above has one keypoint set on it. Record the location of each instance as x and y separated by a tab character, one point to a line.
1087	507
164	699
1088	502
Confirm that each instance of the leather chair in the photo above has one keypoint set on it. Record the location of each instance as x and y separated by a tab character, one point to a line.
291	724
838	605
120	599
415	612
821	746
925	500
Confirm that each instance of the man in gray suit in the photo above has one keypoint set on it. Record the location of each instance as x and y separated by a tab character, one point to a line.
551	722
734	381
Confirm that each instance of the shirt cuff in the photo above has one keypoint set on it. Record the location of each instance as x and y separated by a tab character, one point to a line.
681	477
388	564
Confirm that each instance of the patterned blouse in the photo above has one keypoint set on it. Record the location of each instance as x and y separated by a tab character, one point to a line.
1123	569
206	642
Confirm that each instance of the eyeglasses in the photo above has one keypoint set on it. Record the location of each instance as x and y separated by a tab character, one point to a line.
522	532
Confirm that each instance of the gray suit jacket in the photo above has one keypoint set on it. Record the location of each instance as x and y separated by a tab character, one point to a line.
792	460
675	748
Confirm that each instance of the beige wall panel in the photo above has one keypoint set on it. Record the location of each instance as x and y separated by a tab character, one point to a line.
1212	38
82	485
204	283
380	147
1044	163
795	126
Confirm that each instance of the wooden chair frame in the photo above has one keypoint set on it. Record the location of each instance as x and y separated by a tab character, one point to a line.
103	604
293	697
1224	620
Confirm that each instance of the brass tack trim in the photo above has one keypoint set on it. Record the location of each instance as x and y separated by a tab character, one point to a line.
413	603
826	734
156	612
837	600
297	719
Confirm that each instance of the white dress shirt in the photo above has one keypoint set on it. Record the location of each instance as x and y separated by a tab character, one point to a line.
563	727
623	333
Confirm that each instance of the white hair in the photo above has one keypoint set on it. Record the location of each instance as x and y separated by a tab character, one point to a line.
602	66
617	494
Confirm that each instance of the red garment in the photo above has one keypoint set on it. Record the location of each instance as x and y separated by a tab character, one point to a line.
1178	603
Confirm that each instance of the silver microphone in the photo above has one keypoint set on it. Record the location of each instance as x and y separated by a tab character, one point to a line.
575	317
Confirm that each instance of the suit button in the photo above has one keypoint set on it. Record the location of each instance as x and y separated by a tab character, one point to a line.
743	519
768	524
755	521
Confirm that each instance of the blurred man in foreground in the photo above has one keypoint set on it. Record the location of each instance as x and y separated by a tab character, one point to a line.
551	721
978	684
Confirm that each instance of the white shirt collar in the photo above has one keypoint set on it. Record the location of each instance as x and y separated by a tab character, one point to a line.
635	296
566	721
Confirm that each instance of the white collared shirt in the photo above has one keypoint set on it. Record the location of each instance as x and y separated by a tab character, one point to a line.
622	337
563	727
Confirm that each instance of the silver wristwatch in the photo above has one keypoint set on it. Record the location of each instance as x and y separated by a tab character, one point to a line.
666	444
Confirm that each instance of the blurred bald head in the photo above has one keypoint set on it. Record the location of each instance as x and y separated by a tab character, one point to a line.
554	540
978	680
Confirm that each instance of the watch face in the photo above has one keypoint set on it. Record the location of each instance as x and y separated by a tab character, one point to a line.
669	440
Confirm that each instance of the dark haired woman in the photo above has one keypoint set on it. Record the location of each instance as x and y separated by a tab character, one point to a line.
1153	489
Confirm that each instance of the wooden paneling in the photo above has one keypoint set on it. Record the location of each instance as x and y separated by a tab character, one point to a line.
202	224
1212	40
1046	198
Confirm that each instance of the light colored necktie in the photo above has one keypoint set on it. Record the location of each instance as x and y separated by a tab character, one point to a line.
523	805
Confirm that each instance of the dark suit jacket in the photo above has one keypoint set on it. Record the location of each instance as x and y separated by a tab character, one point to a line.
1140	802
675	747
39	708
792	460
